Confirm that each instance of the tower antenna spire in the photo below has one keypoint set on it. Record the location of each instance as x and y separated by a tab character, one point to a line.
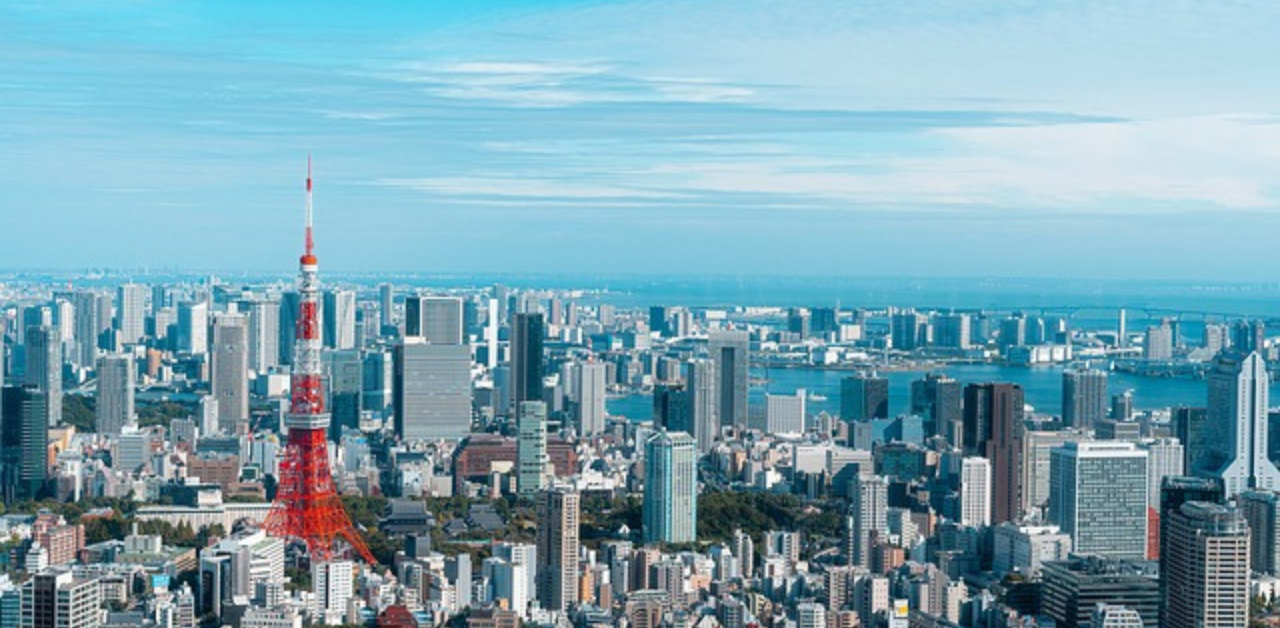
310	241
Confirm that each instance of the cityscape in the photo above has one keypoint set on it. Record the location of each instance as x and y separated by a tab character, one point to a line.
846	386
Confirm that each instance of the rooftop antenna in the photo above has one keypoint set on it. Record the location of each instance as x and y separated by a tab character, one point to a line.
310	242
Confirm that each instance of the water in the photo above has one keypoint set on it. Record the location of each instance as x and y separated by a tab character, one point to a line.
1042	387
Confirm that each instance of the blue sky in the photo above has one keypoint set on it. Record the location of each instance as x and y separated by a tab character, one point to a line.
959	137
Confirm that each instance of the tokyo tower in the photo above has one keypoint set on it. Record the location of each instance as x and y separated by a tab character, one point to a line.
307	507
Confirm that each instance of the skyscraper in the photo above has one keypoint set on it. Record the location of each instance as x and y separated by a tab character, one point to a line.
25	443
784	414
193	328
670	488
44	369
975	491
437	320
731	352
1084	398
937	398
1236	445
339	315
557	554
531	448
230	380
116	376
263	333
1174	492
700	393
864	397
869	517
1205	567
1164	459
386	303
589	410
131	312
1261	510
527	332
433	390
993	428
85	306
1098	495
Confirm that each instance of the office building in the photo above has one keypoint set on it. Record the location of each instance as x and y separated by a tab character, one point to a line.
993	428
589	386
1025	549
433	390
908	330
1084	398
25	442
437	320
731	352
670	488
531	448
784	414
868	517
952	331
1236	446
1164	459
1158	344
938	399
339	316
55	598
1261	510
230	372
671	407
193	328
84	307
975	491
1098	495
1072	589
527	332
557	550
1205	567
44	368
700	393
115	402
263	333
1036	449
131	313
864	397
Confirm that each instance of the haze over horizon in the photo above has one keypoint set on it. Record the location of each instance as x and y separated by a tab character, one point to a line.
1054	139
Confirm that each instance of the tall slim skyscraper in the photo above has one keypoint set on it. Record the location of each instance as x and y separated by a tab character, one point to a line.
975	491
864	397
339	314
1084	398
1205	567
531	448
1098	495
116	376
700	393
869	514
1236	445
131	312
230	379
527	332
670	488
1174	492
558	520
433	390
590	394
193	327
263	333
1261	509
938	399
85	306
731	352
386	304
44	369
437	320
25	430
993	428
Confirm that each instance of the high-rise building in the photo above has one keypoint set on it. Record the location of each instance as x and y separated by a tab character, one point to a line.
85	307
1084	398
25	442
437	320
339	315
658	319
952	331
1072	589
1098	495
557	553
1236	446
433	390
1036	448
193	328
1176	491
1190	429
864	397
44	368
993	428
230	378
700	393
937	398
907	330
531	448
1158	344
387	303
975	491
1164	459
55	598
131	313
1248	336
263	333
670	488
1205	567
1261	510
671	407
784	414
868	516
731	352
527	332
589	385
116	376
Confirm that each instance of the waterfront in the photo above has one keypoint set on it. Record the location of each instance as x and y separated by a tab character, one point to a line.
1042	386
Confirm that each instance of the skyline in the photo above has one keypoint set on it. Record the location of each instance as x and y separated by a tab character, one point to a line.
1046	140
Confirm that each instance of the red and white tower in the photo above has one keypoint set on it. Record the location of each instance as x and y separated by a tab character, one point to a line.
307	507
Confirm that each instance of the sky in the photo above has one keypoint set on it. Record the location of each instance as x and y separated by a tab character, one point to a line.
1118	138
